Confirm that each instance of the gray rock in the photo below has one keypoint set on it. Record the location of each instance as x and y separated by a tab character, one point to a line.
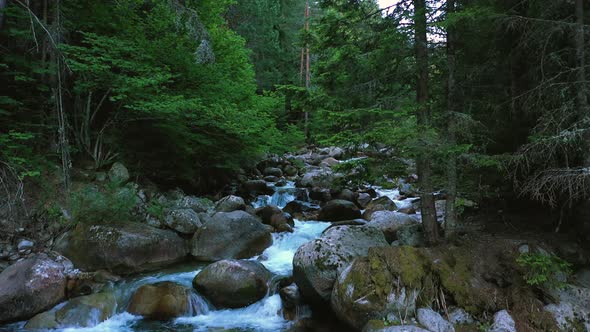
411	234
503	322
363	200
433	321
273	171
390	222
230	235
290	170
31	286
339	210
185	221
575	298
377	326
317	264
198	204
317	177
25	244
583	277
563	315
233	283
382	203
230	203
122	248
459	316
119	173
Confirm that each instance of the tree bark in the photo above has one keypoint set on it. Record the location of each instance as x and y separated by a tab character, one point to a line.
581	98
2	7
428	208
450	207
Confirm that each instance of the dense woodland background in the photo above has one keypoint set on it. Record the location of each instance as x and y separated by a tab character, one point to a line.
489	97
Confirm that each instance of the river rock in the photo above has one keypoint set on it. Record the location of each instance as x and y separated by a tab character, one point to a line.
119	173
338	210
333	151
282	222
273	171
290	170
297	206
25	245
233	283
411	234
317	177
162	301
256	187
433	321
459	316
329	162
198	204
87	311
185	221
229	235
389	222
318	263
230	203
382	203
32	285
265	213
320	194
347	195
363	199
574	298
503	322
377	326
122	248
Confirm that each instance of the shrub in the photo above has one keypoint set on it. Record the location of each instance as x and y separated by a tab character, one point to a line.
543	269
112	203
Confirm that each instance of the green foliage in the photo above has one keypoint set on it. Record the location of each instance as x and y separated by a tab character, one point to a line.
92	204
544	269
16	152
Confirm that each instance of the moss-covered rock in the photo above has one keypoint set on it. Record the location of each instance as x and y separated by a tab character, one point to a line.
318	263
481	277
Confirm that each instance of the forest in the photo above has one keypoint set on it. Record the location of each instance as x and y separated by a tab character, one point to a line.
294	165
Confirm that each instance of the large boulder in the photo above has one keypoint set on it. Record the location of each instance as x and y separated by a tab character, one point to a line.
317	264
230	203
290	170
273	216
84	311
122	248
317	177
31	286
338	210
233	283
411	234
389	222
185	221
230	235
164	300
382	203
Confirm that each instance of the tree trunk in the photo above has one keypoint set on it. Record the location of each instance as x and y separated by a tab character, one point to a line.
581	98
2	7
450	208
423	116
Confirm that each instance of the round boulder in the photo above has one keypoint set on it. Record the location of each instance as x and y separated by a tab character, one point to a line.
185	221
317	263
389	222
233	283
230	203
338	210
122	248
163	301
382	203
31	286
273	171
230	235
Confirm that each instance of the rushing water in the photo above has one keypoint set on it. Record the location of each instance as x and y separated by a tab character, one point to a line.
265	315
